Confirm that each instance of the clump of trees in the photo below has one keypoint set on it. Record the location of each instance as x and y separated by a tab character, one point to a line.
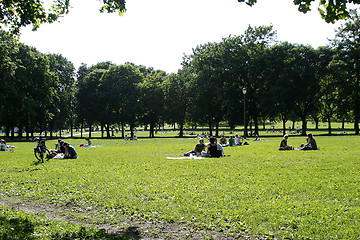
284	82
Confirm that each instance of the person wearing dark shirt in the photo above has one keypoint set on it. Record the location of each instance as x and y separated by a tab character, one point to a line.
70	151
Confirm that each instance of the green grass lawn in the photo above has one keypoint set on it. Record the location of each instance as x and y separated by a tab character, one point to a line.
257	191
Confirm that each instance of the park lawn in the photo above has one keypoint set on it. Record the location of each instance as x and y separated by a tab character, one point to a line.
257	191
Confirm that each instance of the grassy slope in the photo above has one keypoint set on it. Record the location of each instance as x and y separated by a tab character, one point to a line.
257	191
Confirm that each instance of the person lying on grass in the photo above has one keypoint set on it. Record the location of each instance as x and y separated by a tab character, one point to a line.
283	144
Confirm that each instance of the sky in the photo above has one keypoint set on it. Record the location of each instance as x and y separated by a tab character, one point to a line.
158	33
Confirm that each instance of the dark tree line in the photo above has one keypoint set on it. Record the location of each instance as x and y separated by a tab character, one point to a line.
284	82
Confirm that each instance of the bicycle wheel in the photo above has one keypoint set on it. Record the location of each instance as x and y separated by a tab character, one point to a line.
39	154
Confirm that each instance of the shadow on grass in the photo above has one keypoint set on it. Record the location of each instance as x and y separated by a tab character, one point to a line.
23	228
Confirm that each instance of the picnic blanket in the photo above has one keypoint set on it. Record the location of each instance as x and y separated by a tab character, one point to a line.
59	156
192	157
188	157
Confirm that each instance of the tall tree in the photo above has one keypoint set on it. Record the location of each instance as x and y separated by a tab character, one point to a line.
207	66
177	97
81	73
277	93
88	97
347	41
8	65
329	84
63	109
151	100
305	80
35	90
255	41
120	95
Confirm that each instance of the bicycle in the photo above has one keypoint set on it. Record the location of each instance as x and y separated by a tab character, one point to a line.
41	151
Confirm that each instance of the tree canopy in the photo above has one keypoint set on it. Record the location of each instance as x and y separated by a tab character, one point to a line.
15	14
329	10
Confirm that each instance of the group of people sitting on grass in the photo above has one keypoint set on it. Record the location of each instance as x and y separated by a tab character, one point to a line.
211	149
66	150
133	138
310	144
233	141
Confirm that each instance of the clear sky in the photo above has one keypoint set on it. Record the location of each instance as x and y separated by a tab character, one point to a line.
157	33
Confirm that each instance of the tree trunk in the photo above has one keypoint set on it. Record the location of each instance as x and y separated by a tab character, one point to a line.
107	127
357	103
51	129
316	119
210	128
181	128
20	133
217	129
45	125
284	126
102	130
329	125
122	130
90	124
132	130
27	131
256	123
151	133
304	126
343	124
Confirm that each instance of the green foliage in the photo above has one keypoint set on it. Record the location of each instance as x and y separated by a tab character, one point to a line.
16	14
329	10
257	191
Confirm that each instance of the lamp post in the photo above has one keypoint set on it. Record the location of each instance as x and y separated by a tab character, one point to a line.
244	92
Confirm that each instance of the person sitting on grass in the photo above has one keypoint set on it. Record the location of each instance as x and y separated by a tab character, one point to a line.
89	142
3	145
199	148
238	141
87	145
223	141
58	146
213	149
283	144
257	137
231	141
70	151
310	143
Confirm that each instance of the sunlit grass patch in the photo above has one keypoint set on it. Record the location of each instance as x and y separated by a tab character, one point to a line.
258	190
